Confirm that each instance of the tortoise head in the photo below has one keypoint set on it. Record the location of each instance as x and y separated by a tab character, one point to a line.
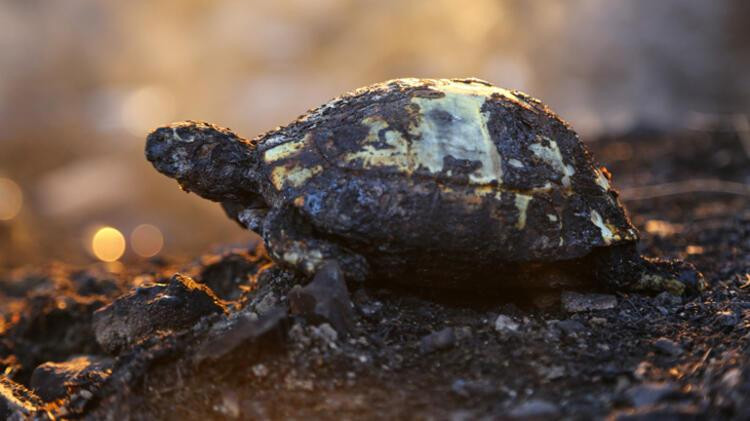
206	159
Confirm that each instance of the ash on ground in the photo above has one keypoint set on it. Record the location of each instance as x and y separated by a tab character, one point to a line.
233	336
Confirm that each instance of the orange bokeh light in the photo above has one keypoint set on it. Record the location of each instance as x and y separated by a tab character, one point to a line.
11	199
108	244
146	240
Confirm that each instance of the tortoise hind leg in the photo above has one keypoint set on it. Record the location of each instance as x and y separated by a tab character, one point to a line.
292	242
622	268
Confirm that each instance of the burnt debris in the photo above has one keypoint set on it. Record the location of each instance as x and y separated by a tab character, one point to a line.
176	304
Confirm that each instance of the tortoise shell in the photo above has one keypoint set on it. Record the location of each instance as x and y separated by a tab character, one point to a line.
447	168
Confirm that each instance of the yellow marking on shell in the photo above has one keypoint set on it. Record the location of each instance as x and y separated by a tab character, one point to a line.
545	188
515	163
476	87
552	156
602	181
446	189
498	191
466	137
294	176
615	232
607	234
373	153
484	190
284	150
277	177
522	204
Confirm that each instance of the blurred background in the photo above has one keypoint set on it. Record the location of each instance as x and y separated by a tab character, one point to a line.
82	82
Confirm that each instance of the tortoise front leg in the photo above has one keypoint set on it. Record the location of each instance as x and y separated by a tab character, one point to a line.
622	268
249	216
292	242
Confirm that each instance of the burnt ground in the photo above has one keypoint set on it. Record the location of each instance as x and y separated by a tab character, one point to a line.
424	354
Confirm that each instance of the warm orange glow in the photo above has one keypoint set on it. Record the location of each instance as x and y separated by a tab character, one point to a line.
146	240
11	199
661	228
108	244
693	249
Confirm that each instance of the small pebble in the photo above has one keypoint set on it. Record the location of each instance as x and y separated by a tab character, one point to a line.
574	302
267	303
570	327
668	299
325	299
505	324
535	409
470	388
552	372
649	393
732	378
727	318
598	321
327	333
668	347
260	370
371	309
436	341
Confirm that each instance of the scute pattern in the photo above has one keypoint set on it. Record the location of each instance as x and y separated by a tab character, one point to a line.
408	164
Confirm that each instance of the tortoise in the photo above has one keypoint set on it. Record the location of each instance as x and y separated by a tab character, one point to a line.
446	183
